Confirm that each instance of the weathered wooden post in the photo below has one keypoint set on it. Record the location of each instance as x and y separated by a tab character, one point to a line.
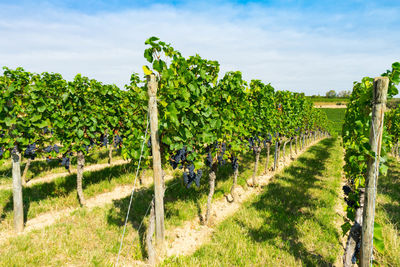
151	260
158	181
267	159
276	155
375	140
17	191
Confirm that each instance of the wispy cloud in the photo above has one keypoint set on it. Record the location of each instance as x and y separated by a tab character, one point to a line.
301	50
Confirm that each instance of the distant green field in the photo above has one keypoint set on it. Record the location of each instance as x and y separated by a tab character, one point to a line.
329	100
336	115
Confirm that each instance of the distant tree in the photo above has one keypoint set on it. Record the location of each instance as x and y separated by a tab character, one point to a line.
331	94
344	94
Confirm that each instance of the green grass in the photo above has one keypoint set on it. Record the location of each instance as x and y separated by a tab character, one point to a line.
336	115
92	237
61	192
388	214
292	223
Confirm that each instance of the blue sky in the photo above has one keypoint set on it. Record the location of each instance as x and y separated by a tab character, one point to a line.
305	46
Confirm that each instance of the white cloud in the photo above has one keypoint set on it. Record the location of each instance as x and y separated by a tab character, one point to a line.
284	48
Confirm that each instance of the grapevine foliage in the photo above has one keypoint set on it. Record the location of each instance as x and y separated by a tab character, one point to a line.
356	131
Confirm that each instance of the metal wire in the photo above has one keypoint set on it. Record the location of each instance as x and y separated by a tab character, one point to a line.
133	190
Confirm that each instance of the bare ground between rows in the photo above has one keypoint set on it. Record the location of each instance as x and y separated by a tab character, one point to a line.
186	239
50	177
49	218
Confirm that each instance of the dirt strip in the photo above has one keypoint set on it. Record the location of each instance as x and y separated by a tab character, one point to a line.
49	218
186	239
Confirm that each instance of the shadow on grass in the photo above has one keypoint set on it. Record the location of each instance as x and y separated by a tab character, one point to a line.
59	188
281	205
177	199
389	186
176	193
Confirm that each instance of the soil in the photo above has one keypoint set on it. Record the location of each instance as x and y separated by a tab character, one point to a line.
50	218
182	240
186	239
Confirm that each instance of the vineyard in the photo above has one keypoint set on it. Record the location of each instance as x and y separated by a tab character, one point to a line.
184	167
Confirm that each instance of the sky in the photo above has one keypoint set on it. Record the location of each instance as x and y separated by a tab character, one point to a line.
301	46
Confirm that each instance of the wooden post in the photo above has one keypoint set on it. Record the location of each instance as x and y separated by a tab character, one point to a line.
17	191
79	177
151	255
255	181
158	181
375	141
267	160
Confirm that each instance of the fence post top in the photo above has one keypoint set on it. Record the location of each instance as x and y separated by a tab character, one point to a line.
152	84
380	89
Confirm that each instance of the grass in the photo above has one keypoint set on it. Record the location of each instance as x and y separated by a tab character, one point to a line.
388	214
61	192
336	115
92	237
293	222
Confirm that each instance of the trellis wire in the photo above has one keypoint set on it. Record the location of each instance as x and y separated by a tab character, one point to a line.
133	190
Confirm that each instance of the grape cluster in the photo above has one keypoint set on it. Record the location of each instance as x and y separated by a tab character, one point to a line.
30	151
267	140
350	199
220	157
89	146
191	176
66	161
54	148
178	158
117	141
149	143
234	162
346	190
1	152
254	142
46	130
209	159
356	251
104	140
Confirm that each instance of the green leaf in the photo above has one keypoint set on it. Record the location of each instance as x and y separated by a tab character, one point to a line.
148	54
8	121
41	108
345	228
36	117
151	40
80	133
